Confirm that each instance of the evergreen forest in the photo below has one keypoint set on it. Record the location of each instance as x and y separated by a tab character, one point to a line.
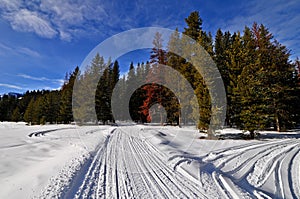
261	81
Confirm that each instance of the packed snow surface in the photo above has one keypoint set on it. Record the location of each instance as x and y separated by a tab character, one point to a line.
137	161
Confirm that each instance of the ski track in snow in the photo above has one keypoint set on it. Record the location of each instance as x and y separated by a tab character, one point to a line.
42	133
253	166
127	165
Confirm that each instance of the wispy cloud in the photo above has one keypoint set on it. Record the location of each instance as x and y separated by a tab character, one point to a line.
10	5
27	51
10	86
4	49
68	19
28	21
25	76
49	19
33	78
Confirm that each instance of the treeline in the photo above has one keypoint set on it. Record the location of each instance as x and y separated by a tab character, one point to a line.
40	107
261	83
94	87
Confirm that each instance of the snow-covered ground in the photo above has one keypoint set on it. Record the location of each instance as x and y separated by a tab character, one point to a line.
136	161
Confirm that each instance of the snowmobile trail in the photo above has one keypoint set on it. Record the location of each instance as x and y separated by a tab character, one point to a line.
126	166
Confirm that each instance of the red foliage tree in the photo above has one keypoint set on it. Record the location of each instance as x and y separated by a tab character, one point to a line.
153	91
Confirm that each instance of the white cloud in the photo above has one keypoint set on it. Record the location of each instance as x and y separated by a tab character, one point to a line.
5	49
71	17
33	78
52	18
64	11
29	52
28	21
57	81
65	36
10	4
11	86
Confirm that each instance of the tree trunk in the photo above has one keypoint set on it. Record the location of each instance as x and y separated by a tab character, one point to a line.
252	134
278	125
179	120
211	134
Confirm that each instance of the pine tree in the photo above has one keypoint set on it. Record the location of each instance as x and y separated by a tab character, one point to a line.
52	106
115	74
281	80
265	84
297	66
175	61
140	74
222	48
16	115
206	41
84	94
29	113
194	23
295	105
140	95
65	109
181	107
235	63
114	78
24	101
118	100
131	83
195	32
104	91
7	106
39	110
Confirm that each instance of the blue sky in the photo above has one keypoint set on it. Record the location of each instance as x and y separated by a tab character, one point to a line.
41	40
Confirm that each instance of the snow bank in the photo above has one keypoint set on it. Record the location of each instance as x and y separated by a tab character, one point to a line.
29	164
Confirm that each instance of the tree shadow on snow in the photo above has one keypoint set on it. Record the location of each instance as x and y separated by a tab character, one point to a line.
258	136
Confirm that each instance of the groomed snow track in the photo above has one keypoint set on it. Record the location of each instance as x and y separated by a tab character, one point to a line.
129	165
252	169
126	166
